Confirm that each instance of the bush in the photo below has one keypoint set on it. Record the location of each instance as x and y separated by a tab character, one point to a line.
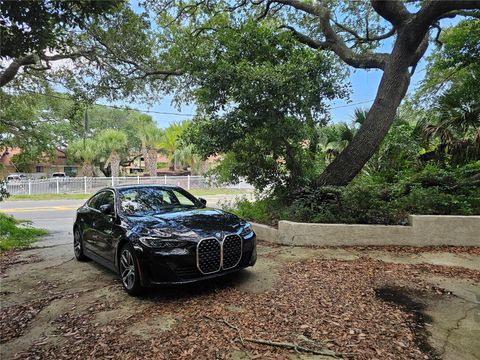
267	210
373	200
13	236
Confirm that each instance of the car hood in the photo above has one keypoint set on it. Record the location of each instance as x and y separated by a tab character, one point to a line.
186	224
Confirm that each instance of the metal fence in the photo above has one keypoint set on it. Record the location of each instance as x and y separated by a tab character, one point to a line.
91	184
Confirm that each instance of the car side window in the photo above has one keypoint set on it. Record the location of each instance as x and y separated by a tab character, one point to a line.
182	199
108	198
95	201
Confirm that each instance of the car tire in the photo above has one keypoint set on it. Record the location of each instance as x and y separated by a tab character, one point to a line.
78	245
129	271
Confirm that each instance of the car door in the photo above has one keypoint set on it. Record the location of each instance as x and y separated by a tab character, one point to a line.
89	216
104	228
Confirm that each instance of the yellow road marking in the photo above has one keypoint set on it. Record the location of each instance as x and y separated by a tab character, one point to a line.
43	208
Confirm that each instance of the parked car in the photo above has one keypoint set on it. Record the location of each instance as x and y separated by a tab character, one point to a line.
154	235
15	177
59	175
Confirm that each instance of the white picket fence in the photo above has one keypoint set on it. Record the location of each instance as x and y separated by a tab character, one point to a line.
91	184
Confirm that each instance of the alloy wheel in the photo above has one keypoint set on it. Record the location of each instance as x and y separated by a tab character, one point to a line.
127	269
77	245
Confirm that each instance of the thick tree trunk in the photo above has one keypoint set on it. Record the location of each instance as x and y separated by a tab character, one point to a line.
115	163
87	169
145	158
152	162
391	91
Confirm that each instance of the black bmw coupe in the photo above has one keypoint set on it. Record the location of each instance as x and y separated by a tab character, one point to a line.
155	235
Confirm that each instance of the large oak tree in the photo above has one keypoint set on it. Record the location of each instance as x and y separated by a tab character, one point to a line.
351	30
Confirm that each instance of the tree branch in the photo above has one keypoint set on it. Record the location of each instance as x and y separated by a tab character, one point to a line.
392	10
11	71
297	347
419	53
35	59
335	43
367	38
305	39
437	9
136	66
303	6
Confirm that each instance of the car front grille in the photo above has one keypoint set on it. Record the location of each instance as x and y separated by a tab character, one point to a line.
209	255
232	251
214	255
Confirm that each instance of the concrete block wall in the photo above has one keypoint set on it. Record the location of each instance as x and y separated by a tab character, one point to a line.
423	230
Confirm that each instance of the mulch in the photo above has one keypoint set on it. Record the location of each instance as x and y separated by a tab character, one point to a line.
318	304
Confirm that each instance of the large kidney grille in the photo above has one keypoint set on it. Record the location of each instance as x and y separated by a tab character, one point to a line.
214	255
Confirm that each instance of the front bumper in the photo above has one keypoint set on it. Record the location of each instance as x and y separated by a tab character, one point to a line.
158	267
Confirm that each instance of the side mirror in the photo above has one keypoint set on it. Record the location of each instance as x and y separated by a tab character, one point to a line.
106	209
203	201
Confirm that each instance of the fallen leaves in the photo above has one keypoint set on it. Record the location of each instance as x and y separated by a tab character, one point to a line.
12	257
320	305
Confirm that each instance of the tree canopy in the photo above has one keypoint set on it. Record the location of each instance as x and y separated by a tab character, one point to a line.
259	100
177	47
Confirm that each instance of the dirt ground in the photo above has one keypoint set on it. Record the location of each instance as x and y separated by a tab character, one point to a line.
296	303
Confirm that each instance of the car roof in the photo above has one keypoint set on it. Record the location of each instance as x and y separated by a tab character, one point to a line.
142	186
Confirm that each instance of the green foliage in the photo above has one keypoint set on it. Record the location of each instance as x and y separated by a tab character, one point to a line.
267	210
33	122
112	140
35	26
451	123
399	151
13	236
373	200
261	96
84	151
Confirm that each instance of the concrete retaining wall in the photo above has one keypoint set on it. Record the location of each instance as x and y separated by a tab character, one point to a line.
423	230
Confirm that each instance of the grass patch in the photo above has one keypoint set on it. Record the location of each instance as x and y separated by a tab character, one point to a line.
17	234
196	192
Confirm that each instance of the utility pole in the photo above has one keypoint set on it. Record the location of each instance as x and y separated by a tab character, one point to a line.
85	126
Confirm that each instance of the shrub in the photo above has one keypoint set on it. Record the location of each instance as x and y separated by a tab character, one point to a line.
373	200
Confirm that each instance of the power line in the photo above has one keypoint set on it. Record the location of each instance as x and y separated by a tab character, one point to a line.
170	113
348	105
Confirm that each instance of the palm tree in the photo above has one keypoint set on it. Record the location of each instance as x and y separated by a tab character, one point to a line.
186	157
153	139
113	141
86	152
454	128
144	126
170	141
334	138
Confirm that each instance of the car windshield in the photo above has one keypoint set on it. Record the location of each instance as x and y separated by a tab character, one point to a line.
149	201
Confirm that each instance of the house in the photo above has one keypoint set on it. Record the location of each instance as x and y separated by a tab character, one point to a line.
44	167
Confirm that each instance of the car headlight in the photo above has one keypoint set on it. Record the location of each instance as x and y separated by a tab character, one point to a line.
247	229
160	243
